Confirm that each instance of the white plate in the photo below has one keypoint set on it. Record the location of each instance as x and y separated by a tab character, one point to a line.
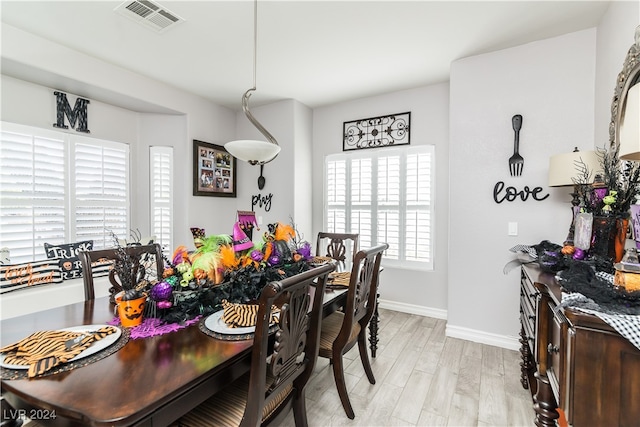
93	349
216	324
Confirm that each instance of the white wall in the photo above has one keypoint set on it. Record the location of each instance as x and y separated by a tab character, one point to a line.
35	105
615	37
303	161
551	83
287	176
408	290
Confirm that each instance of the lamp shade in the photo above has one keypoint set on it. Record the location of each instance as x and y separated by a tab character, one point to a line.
252	151
563	168
629	137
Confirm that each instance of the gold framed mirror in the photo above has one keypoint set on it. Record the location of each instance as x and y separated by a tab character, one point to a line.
627	78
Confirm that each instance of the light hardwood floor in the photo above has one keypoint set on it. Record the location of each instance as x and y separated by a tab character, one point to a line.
423	379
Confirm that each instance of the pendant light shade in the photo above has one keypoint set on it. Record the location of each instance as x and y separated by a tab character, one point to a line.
255	152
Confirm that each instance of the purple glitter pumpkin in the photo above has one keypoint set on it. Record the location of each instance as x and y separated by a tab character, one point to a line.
161	291
256	255
274	260
578	254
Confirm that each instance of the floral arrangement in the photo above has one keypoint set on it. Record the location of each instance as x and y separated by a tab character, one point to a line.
225	268
614	191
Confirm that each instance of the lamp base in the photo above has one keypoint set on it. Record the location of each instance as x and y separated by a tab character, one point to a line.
575	209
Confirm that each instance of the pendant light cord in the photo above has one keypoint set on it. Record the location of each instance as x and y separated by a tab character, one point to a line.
255	41
247	94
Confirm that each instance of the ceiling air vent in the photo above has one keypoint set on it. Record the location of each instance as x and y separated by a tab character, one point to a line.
150	14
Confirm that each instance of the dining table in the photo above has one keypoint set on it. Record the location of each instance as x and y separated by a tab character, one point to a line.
133	382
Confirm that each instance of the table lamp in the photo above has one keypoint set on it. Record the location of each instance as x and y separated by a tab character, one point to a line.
566	170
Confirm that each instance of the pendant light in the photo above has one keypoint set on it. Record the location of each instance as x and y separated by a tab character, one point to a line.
255	152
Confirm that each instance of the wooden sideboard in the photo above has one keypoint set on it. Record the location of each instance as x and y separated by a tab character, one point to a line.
574	361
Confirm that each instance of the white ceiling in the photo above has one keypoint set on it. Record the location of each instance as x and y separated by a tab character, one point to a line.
317	52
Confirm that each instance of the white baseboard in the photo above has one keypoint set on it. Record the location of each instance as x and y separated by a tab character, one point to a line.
504	341
413	309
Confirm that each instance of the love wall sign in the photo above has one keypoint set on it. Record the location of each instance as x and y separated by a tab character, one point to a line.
511	194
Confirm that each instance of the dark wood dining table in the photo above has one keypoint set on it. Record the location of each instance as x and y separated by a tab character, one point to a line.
148	382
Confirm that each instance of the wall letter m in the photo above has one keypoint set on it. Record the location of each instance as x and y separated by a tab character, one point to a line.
78	113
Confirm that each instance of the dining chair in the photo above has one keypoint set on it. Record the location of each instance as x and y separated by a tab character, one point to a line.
10	416
276	381
343	329
151	253
334	245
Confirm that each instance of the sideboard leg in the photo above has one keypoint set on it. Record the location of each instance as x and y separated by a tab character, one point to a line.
544	403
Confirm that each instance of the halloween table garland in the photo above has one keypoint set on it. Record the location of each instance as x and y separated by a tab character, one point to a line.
225	268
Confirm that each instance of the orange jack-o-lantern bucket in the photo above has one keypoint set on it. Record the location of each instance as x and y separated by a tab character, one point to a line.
130	312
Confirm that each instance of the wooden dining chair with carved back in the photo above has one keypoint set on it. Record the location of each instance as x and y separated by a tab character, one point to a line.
337	246
277	380
149	255
10	415
343	329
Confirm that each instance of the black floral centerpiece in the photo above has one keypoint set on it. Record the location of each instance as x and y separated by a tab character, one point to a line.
614	188
197	283
607	201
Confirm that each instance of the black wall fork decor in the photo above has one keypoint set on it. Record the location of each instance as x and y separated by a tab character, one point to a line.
516	162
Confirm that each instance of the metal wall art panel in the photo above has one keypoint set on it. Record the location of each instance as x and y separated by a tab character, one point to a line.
382	131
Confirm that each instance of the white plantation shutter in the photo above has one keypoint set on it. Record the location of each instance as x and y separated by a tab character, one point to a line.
32	192
360	199
388	231
101	191
387	198
336	196
388	191
161	179
361	224
59	188
361	182
419	207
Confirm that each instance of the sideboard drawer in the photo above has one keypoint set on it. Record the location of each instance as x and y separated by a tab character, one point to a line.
528	320
528	344
528	309
527	286
557	348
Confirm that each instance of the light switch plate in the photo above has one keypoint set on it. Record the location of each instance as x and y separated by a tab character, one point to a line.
513	229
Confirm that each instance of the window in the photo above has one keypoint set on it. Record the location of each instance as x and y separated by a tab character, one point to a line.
384	195
60	188
161	179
